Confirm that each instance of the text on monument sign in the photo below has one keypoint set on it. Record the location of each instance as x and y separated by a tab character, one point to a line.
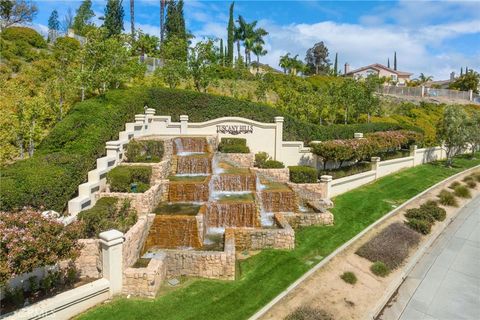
234	129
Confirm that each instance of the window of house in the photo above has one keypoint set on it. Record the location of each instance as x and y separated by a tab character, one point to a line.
394	77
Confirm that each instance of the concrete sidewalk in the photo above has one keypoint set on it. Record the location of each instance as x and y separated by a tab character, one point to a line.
445	283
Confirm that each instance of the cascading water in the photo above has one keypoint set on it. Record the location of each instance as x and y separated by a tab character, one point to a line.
190	145
194	165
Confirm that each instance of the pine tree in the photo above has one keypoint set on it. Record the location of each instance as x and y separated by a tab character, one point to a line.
395	60
113	20
83	17
162	20
53	25
335	65
222	55
175	22
231	35
466	70
388	63
461	71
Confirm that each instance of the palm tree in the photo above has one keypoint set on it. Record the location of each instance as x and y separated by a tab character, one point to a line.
285	62
258	50
423	78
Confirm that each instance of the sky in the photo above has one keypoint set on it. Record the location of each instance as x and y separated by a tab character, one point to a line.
432	37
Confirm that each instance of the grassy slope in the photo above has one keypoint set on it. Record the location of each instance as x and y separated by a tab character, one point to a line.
265	275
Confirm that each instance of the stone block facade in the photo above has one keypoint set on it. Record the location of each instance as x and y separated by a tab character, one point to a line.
135	238
243	160
278	175
256	239
206	264
143	202
145	282
89	262
309	191
297	220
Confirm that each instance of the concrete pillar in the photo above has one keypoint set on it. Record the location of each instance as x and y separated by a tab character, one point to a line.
278	138
375	164
413	152
327	180
470	95
183	124
358	135
423	91
112	257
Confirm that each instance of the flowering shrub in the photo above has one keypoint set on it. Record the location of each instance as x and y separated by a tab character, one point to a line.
374	144
29	240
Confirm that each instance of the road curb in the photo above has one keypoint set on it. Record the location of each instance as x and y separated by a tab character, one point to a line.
347	244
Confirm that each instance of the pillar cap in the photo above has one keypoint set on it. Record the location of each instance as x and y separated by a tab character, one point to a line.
326	178
111	237
278	119
375	159
183	117
358	135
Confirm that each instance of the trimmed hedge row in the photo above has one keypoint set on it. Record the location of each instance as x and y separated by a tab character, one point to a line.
303	174
121	178
144	151
233	145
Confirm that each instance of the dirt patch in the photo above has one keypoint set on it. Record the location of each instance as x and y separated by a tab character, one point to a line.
327	291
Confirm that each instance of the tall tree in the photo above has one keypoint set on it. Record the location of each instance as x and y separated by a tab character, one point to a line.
113	19
453	131
395	60
83	18
317	58
258	50
162	20
335	65
222	54
15	12
424	78
132	18
230	36
53	25
175	25
461	71
388	63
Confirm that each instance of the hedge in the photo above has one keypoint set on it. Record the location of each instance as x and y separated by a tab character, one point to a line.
108	213
121	178
144	151
303	174
233	145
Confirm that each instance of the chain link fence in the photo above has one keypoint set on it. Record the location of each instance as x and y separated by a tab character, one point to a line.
423	92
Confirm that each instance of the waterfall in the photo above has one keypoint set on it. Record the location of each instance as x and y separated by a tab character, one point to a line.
232	214
190	145
193	165
174	232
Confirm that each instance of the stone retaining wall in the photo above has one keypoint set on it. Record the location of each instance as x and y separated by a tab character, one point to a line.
89	262
135	238
145	282
278	175
297	220
309	191
206	264
243	160
142	202
257	239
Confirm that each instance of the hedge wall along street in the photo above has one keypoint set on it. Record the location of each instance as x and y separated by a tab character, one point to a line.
61	162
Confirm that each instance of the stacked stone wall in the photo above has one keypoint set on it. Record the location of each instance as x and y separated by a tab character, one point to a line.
297	220
243	160
89	262
278	175
135	239
145	282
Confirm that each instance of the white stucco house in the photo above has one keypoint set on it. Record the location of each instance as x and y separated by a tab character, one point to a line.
399	77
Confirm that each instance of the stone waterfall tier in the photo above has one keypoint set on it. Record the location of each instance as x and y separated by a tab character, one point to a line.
234	182
194	164
174	231
232	214
185	191
279	201
190	144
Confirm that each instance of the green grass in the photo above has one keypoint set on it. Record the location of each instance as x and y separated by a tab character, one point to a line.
263	276
177	208
276	186
242	197
188	178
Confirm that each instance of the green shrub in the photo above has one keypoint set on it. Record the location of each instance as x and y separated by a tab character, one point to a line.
434	210
391	245
307	313
23	34
471	184
454	184
233	145
263	161
420	214
144	151
380	269
476	176
108	213
349	277
121	178
273	164
261	158
303	174
447	198
422	226
357	168
462	192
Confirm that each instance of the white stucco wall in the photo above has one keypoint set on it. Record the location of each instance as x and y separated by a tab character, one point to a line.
394	165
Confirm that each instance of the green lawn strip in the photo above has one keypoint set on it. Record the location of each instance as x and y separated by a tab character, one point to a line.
265	275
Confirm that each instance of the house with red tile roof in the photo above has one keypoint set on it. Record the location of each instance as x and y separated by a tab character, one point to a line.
398	77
